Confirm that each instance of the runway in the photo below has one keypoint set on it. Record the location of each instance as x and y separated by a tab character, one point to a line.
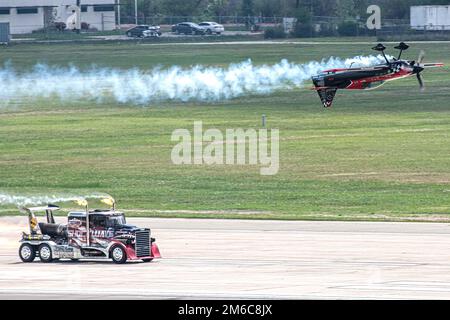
234	259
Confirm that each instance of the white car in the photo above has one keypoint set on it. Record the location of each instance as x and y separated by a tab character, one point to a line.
212	27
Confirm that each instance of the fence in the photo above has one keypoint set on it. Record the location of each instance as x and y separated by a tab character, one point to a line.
169	20
319	26
405	32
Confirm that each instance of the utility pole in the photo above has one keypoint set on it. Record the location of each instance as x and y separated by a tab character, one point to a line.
311	12
135	12
79	16
118	13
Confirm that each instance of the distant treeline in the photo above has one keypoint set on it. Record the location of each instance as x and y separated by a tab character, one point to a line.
302	9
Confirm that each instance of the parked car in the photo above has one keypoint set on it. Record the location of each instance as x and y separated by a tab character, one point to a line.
144	31
188	28
212	27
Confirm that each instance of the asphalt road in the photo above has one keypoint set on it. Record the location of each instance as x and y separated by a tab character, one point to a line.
205	259
174	35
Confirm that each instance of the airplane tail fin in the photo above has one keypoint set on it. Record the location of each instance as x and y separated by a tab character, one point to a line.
326	96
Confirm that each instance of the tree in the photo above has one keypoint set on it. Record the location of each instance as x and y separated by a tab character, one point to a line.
247	8
268	8
184	7
346	8
217	7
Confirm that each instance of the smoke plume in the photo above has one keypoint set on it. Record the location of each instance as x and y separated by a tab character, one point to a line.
135	86
20	200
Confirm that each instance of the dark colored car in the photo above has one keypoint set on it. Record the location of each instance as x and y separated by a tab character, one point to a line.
188	28
144	31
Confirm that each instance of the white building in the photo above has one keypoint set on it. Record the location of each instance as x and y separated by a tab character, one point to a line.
25	16
430	17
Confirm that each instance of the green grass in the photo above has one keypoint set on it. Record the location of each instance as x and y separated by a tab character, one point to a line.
377	155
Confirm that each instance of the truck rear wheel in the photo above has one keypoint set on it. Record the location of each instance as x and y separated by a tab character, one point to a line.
45	253
118	254
27	253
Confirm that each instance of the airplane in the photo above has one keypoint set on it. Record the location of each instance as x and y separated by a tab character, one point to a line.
329	81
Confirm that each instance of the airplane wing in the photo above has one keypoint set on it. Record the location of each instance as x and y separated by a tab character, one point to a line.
381	67
326	96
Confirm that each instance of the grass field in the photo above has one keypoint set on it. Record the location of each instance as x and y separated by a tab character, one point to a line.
377	155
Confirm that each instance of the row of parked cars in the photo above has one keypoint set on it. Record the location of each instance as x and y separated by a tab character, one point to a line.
201	28
187	28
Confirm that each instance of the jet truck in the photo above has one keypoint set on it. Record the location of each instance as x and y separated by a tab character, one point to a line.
88	234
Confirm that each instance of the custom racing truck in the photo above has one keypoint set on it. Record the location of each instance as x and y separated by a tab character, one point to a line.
88	234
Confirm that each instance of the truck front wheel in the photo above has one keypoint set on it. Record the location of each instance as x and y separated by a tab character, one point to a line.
45	253
27	253
118	254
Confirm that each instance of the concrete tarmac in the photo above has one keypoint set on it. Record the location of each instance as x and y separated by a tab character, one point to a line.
234	259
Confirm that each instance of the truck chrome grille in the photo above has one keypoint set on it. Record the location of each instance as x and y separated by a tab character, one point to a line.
142	245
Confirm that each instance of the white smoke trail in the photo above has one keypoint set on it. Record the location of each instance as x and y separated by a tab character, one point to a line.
198	83
24	200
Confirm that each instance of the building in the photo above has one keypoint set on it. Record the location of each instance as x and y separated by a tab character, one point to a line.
26	16
430	17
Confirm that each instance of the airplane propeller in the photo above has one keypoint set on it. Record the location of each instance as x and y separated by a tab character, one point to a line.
421	56
418	67
421	85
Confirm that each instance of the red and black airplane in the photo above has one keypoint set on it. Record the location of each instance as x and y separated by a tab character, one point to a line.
327	82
